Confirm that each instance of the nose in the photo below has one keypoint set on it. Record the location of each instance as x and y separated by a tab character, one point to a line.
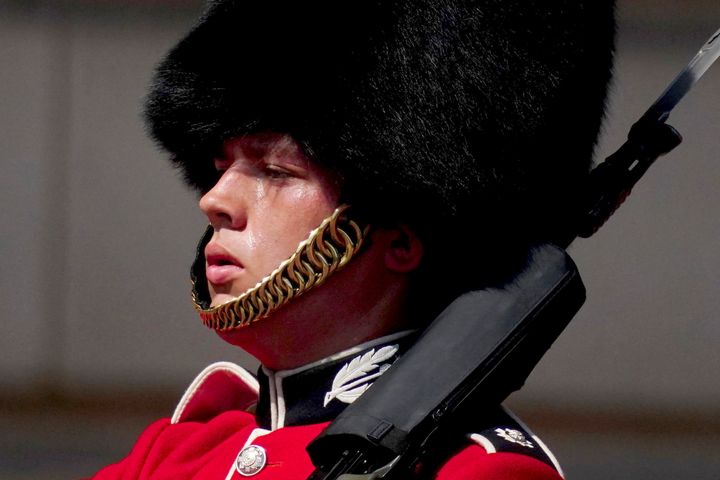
225	204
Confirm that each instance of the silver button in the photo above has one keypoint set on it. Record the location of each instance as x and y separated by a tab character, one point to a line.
250	460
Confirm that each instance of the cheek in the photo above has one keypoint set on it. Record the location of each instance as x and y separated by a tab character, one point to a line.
314	205
302	209
255	240
286	220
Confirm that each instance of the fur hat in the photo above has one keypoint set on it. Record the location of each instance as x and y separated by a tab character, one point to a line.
469	120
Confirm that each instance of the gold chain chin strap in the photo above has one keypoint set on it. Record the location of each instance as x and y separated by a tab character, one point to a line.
328	248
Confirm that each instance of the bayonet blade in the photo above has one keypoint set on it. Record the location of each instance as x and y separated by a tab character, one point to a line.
683	83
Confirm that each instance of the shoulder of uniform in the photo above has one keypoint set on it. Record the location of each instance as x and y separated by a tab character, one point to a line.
471	464
220	387
505	433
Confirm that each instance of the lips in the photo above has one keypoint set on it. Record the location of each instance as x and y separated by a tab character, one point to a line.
221	267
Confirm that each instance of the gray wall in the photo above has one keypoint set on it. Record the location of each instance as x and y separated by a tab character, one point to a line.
98	232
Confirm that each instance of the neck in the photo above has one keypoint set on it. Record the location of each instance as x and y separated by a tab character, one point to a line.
323	321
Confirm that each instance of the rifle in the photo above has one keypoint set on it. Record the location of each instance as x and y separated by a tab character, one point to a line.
484	344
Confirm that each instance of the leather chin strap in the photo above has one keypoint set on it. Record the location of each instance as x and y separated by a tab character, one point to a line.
327	249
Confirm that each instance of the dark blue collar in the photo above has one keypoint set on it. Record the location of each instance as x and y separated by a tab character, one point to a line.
319	391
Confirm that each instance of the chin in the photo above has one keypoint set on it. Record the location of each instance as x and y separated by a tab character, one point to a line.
221	298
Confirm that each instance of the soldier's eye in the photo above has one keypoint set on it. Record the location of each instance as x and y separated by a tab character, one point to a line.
277	172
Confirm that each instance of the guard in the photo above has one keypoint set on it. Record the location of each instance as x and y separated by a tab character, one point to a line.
361	164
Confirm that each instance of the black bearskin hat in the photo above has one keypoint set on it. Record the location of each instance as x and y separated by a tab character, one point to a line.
472	121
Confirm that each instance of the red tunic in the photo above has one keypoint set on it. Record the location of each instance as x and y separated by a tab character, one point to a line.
210	427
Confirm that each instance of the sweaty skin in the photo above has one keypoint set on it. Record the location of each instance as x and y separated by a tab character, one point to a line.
267	199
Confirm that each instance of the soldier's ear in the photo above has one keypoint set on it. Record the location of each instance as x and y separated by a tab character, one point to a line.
405	250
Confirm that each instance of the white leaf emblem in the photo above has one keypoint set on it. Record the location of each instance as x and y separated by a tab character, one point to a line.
355	376
514	436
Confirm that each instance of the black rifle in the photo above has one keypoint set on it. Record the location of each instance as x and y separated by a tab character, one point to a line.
483	346
479	350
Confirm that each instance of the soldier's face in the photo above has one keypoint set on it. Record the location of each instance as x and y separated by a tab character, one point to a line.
267	199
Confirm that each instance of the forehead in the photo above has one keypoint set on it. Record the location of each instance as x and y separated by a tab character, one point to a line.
265	146
264	149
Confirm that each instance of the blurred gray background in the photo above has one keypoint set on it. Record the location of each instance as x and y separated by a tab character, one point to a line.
98	232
